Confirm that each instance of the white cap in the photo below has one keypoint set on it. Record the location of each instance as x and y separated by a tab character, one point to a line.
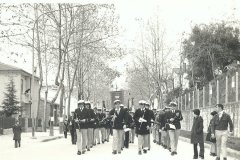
117	101
121	105
141	102
81	101
87	102
172	104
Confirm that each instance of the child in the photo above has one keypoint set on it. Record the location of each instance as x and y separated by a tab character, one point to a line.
197	134
17	130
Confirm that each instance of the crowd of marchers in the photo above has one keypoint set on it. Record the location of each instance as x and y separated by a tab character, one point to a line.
89	127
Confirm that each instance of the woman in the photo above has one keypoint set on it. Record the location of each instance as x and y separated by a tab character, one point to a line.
197	134
213	148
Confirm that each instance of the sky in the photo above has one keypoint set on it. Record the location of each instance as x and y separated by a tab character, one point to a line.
176	16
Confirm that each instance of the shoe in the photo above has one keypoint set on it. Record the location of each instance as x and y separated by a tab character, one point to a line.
90	146
79	153
88	149
201	157
114	152
119	152
217	158
195	157
224	158
98	143
144	151
154	141
83	152
214	155
172	153
140	152
149	149
122	148
175	153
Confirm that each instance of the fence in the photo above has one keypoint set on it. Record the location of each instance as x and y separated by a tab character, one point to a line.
224	90
8	122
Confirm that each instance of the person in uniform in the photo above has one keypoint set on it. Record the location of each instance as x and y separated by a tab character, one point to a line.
164	128
107	125
119	123
128	125
156	128
132	126
152	118
173	118
96	139
102	117
90	125
81	117
72	128
142	119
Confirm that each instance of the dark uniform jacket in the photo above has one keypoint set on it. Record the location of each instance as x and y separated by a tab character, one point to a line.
91	118
197	130
121	118
162	120
17	130
141	128
102	117
80	115
177	118
72	124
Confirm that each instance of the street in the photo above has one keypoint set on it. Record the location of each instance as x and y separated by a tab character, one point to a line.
62	149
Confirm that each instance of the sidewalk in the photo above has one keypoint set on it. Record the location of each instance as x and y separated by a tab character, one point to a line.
6	141
231	153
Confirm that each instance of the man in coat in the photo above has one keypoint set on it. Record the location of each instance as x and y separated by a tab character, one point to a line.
219	130
142	119
107	125
173	118
164	129
81	118
119	119
17	131
197	134
102	129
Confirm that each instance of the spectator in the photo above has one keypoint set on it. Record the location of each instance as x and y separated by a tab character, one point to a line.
197	134
219	129
17	130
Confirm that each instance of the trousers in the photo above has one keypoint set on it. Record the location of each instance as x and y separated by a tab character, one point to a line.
221	138
89	137
142	142
117	139
174	136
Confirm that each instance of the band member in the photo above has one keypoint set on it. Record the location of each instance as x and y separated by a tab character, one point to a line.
96	139
147	106
128	125
81	117
142	118
132	126
119	123
102	117
164	128
108	125
72	128
156	127
90	125
173	118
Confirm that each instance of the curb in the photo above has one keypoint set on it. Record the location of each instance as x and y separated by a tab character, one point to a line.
232	153
52	139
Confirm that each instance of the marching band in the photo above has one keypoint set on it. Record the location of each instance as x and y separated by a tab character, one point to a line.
87	124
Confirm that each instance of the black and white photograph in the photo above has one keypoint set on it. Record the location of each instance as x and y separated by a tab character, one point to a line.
120	80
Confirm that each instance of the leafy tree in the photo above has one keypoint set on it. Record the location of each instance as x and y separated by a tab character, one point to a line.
210	48
10	103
